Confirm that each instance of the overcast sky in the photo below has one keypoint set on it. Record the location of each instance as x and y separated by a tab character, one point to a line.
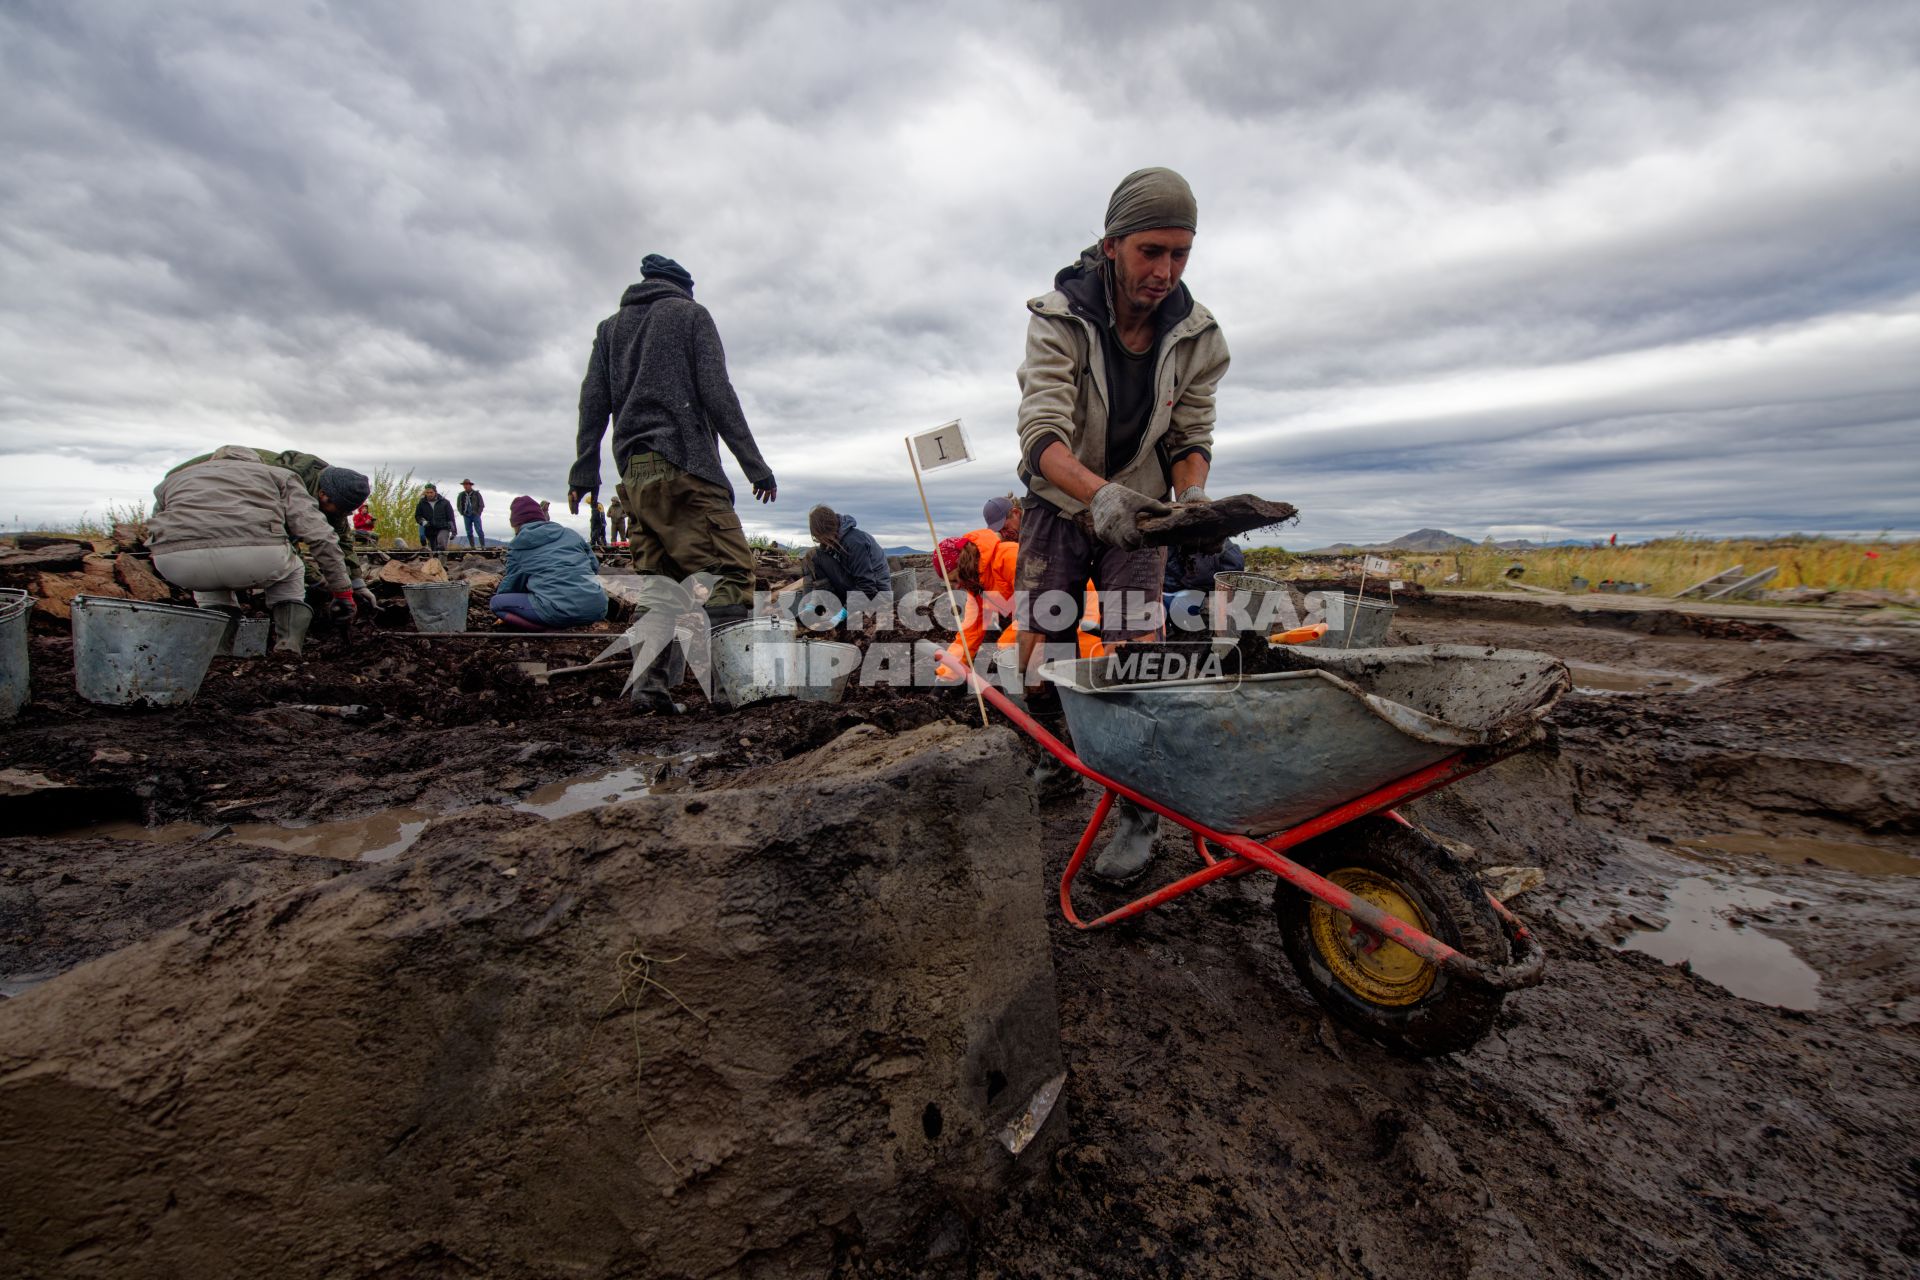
1522	269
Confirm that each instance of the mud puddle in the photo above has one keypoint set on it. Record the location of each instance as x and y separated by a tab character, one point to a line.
576	795
1799	851
1706	930
1591	678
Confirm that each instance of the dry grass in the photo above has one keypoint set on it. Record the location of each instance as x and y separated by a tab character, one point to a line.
1674	564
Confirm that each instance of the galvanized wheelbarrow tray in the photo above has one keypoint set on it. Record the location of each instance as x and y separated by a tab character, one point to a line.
1304	760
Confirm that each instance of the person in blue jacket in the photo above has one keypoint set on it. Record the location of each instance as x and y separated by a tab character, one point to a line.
552	579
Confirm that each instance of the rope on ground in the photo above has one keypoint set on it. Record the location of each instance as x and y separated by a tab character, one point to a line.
634	970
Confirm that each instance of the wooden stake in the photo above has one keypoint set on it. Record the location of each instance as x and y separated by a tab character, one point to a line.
959	617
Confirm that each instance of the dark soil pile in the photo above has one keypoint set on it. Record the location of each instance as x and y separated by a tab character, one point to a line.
748	1030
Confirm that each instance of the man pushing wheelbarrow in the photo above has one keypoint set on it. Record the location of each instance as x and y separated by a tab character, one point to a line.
1293	762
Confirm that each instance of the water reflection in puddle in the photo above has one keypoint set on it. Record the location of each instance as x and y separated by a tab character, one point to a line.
1797	851
1745	961
577	795
1588	678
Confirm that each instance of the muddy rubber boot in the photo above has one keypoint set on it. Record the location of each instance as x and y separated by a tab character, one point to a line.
653	694
1053	782
291	618
233	613
1129	849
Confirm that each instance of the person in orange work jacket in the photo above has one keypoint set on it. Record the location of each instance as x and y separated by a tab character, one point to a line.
982	565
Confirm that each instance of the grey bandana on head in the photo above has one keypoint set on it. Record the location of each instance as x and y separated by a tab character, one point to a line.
1148	199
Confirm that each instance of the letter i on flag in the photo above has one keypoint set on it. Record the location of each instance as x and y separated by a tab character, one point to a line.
944	446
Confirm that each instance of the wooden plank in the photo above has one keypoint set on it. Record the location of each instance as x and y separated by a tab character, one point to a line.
1725	575
1746	586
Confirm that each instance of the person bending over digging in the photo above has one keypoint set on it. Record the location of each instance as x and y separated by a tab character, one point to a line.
335	490
552	579
845	559
1116	413
659	372
228	523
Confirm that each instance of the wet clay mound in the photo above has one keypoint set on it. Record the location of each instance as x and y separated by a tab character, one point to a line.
1829	736
743	1031
64	902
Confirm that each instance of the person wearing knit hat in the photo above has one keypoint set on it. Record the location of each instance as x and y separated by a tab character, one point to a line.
551	580
658	373
337	491
1116	417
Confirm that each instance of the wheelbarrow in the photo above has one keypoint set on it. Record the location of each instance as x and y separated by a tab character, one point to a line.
1296	773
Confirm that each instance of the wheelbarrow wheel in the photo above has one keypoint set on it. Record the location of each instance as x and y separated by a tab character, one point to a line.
1375	986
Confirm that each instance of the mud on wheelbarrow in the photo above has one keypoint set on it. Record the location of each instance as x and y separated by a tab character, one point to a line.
1297	773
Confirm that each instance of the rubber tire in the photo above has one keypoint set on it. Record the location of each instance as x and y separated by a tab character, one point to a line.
1454	1014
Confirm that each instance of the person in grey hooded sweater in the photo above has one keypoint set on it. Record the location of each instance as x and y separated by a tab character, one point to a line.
659	373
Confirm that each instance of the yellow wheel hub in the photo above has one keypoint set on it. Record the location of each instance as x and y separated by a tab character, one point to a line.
1377	969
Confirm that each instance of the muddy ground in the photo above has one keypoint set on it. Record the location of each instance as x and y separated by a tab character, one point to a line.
1744	796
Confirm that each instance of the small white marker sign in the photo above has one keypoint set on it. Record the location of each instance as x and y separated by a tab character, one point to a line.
1376	565
944	446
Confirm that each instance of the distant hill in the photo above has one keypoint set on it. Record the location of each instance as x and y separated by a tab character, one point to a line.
1426	541
1418	540
1429	540
904	551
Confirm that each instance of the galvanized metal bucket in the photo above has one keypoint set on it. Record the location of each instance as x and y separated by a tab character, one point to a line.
826	669
15	608
1352	622
437	606
1258	754
248	639
1253	602
757	659
130	651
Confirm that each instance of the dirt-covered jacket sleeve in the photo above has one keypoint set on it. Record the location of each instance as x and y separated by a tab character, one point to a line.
1191	430
722	406
1049	385
596	407
307	523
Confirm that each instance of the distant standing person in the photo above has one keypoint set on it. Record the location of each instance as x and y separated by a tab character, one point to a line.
551	579
659	373
470	504
434	515
616	520
597	525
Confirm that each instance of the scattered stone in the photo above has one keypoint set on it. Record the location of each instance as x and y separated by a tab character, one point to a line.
141	582
401	573
128	537
1506	883
54	592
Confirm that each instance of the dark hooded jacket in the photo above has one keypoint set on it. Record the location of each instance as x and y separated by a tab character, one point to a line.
659	372
861	556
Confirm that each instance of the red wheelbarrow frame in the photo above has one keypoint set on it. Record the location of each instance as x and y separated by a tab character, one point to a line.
1266	855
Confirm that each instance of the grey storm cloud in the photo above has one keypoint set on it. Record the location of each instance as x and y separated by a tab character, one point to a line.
1571	268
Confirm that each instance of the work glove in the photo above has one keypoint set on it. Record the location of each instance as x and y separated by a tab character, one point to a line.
1116	510
340	609
363	597
1193	493
575	495
764	489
